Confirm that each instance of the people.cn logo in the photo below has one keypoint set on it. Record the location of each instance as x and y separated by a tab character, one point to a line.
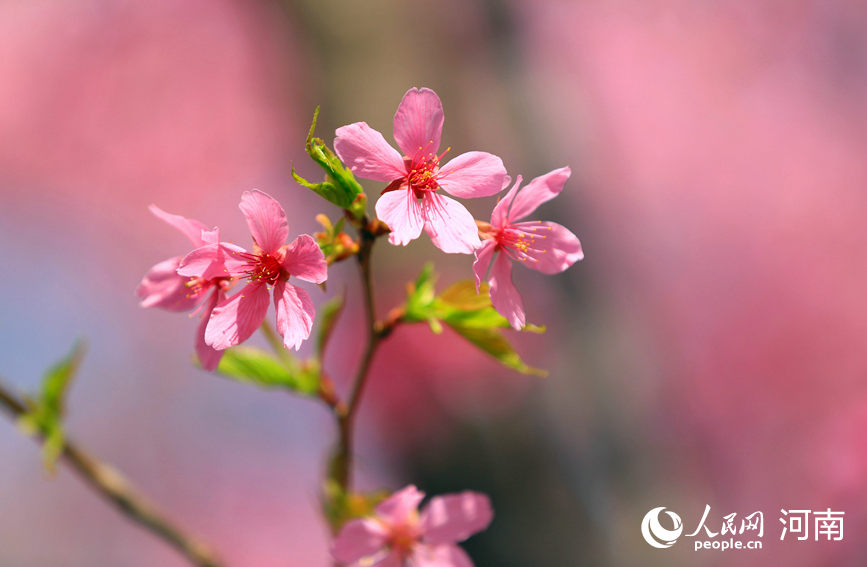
657	535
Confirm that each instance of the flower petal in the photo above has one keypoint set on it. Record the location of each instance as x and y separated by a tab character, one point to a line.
162	287
455	517
295	313
473	174
439	556
538	191
504	296
209	357
214	261
400	507
418	123
402	212
391	560
305	260
551	248
450	225
484	255
367	153
357	540
266	219
236	318
211	236
500	214
190	228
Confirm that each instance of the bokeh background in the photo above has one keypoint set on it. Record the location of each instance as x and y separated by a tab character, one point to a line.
709	350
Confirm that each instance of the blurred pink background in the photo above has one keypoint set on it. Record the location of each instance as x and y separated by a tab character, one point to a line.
709	350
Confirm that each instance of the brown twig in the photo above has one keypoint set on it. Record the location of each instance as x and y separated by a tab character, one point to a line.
114	487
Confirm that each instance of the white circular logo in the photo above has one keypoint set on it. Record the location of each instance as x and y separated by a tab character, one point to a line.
655	534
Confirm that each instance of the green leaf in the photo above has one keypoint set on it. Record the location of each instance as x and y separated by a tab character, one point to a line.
258	367
421	295
469	314
463	295
329	312
56	381
52	447
494	343
45	414
340	186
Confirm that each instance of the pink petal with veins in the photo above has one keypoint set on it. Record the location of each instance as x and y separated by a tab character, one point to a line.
305	261
403	214
190	228
504	295
482	263
367	154
473	174
235	319
418	122
295	313
209	357
266	219
551	248
538	191
162	287
450	225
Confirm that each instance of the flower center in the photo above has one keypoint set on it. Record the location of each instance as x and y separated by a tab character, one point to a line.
422	172
519	243
195	286
264	268
403	539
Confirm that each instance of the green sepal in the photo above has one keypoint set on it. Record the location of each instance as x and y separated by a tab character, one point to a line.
340	186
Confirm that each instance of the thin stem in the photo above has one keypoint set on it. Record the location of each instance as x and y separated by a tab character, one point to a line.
274	340
114	487
341	471
342	468
373	336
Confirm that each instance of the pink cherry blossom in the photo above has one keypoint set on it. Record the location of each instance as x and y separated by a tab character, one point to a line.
163	287
412	201
397	535
270	264
546	247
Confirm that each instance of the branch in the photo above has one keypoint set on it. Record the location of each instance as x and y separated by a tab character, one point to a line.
376	332
114	487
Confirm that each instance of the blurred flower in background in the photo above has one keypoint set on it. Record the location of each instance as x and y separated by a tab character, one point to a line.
709	350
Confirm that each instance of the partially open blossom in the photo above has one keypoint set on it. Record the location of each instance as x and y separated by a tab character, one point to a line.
413	200
397	535
546	247
268	266
163	287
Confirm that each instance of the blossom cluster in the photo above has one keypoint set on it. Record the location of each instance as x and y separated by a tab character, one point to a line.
202	278
413	200
231	287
